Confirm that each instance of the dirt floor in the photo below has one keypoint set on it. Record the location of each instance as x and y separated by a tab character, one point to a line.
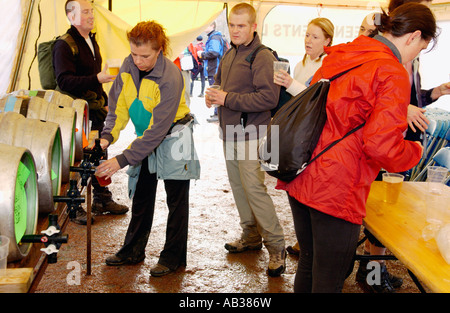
213	221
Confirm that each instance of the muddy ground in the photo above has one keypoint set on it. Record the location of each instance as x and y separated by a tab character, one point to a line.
213	221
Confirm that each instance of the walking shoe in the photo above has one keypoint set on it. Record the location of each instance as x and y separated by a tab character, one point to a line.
81	217
396	281
116	260
201	95
99	207
241	245
160	270
361	275
277	263
103	203
385	285
292	250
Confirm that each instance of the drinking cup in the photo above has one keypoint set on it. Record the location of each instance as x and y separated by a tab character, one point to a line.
218	88
102	181
280	65
113	66
392	183
437	200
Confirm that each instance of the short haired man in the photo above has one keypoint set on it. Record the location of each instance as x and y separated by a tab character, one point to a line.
246	97
80	76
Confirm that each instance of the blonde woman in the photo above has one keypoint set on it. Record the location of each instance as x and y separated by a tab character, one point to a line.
319	34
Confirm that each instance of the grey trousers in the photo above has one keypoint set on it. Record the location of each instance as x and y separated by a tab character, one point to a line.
258	217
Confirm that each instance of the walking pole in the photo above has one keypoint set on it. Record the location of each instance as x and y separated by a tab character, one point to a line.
88	226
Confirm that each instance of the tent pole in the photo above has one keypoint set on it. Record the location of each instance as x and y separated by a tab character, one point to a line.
23	41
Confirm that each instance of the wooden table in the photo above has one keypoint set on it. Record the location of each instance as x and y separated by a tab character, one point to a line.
399	227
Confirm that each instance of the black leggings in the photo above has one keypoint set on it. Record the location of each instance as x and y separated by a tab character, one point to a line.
327	248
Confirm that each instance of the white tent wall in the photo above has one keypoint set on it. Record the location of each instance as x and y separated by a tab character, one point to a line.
12	29
183	20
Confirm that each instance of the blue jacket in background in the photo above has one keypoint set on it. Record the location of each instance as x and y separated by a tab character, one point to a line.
212	53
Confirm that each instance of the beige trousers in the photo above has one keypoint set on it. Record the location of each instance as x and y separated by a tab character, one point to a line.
258	217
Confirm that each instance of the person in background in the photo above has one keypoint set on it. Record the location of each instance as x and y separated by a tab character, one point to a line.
328	198
149	90
368	27
200	46
245	99
319	34
81	76
185	73
416	119
211	58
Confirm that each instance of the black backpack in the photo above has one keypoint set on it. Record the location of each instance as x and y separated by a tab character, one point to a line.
299	123
284	95
45	60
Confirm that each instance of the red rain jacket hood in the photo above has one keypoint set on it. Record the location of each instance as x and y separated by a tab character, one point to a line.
377	92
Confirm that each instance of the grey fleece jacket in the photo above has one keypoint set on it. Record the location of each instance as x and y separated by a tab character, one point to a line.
251	92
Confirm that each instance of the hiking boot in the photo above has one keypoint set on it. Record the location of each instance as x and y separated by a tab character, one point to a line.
241	245
111	207
160	270
294	250
361	275
81	217
103	203
116	259
277	263
395	281
385	285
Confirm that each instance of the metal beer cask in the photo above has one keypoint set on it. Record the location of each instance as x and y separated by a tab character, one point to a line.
41	109
80	105
43	139
18	198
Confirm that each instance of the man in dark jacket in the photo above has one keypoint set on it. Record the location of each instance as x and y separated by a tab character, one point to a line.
80	76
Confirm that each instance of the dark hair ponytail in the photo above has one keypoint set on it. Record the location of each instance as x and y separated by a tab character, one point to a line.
408	18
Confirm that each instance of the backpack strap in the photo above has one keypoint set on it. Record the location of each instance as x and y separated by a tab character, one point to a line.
71	42
330	146
344	72
251	57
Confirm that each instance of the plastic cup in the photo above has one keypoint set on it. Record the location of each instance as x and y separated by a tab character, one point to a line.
113	66
436	174
437	202
218	88
392	183
280	65
102	181
4	250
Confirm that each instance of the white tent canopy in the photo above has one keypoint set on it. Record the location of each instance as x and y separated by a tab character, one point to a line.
30	22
